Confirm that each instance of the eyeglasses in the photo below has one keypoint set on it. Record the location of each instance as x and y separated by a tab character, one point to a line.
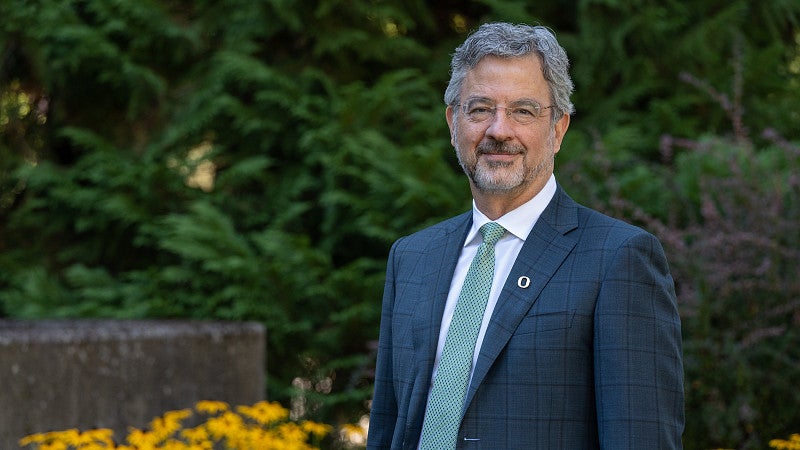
523	112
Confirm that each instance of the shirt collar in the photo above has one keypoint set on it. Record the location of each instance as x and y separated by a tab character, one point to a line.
520	221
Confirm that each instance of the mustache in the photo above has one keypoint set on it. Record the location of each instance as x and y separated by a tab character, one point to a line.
498	148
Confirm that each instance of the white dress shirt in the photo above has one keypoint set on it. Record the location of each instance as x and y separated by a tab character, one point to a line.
518	224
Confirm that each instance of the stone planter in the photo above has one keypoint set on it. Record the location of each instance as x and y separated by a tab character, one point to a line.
60	374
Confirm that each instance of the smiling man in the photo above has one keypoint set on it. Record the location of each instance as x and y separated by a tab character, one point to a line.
530	322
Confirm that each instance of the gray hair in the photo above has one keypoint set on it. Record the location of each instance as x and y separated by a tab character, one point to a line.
509	41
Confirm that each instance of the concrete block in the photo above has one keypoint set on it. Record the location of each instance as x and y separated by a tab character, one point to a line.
61	374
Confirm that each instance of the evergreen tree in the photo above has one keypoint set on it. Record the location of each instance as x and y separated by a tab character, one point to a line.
254	160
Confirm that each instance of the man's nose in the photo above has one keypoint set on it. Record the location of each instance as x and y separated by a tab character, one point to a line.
501	127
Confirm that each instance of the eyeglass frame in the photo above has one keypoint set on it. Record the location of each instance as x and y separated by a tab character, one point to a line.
536	109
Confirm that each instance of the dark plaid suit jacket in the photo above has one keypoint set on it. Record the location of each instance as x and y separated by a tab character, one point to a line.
588	356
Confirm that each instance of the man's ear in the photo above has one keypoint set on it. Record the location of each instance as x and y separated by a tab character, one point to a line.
560	129
450	113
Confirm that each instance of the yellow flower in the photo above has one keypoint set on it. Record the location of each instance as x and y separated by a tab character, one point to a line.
195	435
68	436
35	438
792	444
95	438
224	426
319	430
142	440
55	445
291	432
264	412
167	425
262	426
211	407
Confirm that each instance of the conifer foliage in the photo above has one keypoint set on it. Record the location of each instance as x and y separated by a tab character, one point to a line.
254	160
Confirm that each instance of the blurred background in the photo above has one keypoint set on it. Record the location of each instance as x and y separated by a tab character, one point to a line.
252	160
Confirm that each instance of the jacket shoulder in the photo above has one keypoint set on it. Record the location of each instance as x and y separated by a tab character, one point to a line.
441	230
569	216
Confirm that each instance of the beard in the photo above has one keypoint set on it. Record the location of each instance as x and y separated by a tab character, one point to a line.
504	176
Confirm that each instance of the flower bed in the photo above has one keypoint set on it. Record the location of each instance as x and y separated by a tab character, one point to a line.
263	426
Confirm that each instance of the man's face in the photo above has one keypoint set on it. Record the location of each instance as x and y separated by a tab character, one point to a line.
500	155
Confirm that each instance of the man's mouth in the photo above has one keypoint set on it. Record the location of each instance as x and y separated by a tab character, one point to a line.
498	149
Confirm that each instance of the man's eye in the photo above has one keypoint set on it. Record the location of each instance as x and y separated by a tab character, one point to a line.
523	112
480	110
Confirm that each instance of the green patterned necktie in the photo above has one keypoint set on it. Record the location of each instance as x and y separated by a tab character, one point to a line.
443	413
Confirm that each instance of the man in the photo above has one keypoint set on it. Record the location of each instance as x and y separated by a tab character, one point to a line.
577	341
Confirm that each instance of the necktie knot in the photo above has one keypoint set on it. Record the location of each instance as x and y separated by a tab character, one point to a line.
492	232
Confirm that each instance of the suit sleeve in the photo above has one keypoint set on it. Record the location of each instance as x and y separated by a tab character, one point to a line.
383	414
637	351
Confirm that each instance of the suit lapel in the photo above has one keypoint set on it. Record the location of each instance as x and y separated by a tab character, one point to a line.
437	263
541	255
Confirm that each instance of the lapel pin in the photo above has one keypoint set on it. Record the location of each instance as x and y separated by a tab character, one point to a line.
524	282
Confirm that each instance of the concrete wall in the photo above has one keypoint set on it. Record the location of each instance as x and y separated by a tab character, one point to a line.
84	374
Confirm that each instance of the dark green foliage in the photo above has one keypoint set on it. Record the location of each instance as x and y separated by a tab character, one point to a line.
254	160
321	154
728	213
740	255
